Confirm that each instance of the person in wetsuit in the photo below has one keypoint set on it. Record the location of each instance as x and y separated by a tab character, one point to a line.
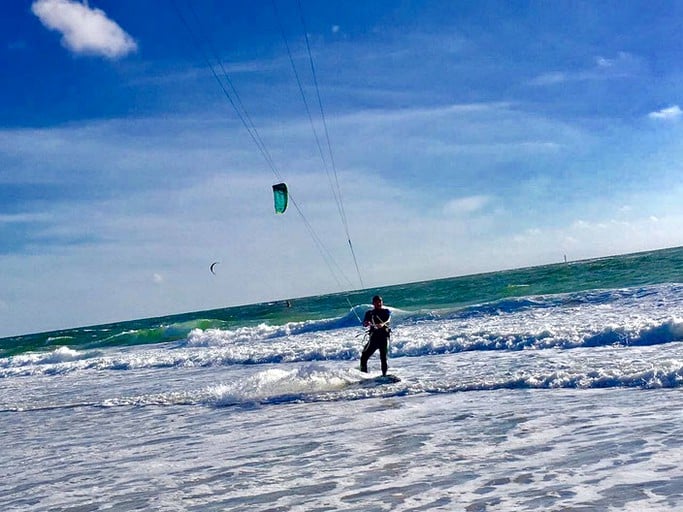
377	320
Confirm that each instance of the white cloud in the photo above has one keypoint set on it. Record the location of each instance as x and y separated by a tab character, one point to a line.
20	218
624	61
85	30
555	77
582	239
624	64
666	114
465	205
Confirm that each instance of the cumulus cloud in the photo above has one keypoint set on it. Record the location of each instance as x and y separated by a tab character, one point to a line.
84	30
666	114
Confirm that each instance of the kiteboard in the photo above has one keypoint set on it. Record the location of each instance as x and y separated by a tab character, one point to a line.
387	379
379	380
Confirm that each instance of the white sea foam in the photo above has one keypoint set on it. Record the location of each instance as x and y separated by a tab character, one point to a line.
55	357
544	403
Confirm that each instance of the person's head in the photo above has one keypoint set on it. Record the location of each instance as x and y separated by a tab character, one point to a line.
377	301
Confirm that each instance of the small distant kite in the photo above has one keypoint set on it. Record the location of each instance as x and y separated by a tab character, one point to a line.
213	266
280	197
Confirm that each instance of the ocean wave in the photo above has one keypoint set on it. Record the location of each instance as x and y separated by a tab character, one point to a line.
216	332
106	336
556	321
286	385
260	345
320	382
668	375
265	331
159	334
60	355
600	298
623	318
313	383
657	333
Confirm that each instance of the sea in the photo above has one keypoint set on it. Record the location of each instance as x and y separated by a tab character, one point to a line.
552	388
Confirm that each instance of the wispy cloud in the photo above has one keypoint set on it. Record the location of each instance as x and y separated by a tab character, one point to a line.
624	64
666	114
551	78
465	205
21	218
84	30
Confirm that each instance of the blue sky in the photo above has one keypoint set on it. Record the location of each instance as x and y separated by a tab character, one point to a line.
467	137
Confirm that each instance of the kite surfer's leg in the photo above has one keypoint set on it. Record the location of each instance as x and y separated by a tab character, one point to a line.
383	355
367	352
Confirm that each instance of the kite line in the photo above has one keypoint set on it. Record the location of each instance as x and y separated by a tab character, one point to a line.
220	74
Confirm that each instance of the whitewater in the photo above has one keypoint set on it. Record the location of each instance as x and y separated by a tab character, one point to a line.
560	401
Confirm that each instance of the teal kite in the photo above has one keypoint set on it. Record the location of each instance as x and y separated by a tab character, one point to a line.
280	197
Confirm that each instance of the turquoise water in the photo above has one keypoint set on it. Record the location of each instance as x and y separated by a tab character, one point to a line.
441	295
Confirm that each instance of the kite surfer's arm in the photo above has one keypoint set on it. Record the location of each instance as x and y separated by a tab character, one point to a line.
374	321
383	324
380	325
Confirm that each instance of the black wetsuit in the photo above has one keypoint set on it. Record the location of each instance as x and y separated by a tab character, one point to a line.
379	338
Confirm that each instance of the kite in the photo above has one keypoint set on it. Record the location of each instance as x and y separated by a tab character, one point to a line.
213	265
280	197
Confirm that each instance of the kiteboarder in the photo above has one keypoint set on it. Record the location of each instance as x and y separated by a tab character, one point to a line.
377	320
